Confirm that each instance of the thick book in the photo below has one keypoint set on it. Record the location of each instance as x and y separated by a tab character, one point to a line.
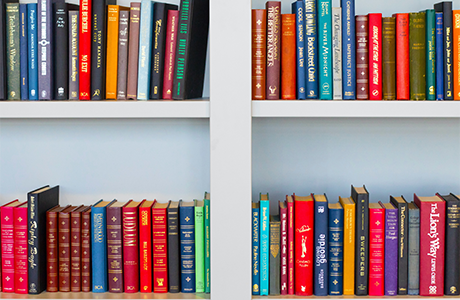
160	18
362	57
376	249
264	243
361	197
349	50
439	56
290	234
311	50
32	51
74	66
20	248
389	58
321	245
273	9
445	8
430	48
274	255
283	210
133	50
122	54
12	47
174	265
288	57
7	243
52	249
84	50
414	249
160	248
75	248
145	49
337	52
86	250
348	245
403	224
199	245
324	49
375	56
298	8
170	53
255	249
3	54
402	57
45	50
145	246
23	45
417	52
187	246
391	249
456	53
115	247
303	214
432	241
207	242
64	248
335	260
131	246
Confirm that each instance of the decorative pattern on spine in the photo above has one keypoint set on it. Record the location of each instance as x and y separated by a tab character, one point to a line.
362	58
259	50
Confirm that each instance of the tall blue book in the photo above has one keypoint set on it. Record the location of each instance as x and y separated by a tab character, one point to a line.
298	10
187	246
335	249
99	246
23	45
348	50
439	56
325	49
255	249
32	51
145	50
264	243
311	50
320	281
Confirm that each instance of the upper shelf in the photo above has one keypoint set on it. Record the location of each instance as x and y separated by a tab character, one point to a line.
105	109
355	109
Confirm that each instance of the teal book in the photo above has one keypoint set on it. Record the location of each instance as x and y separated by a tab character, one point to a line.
145	50
430	54
207	242
325	49
199	246
264	243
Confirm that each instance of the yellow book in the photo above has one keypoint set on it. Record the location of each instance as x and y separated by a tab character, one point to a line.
348	245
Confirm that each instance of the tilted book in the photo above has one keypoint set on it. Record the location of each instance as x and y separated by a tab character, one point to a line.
375	56
20	248
445	8
414	249
145	49
133	50
402	57
324	49
84	52
32	51
255	249
337	52
131	247
290	233
160	248
403	225
115	247
283	247
298	8
389	58
362	58
145	246
174	262
13	56
45	49
7	242
376	249
273	49
321	245
187	246
52	249
417	52
64	248
23	51
264	243
170	54
349	49
311	50
439	56
430	48
335	251
288	57
348	245
391	249
274	255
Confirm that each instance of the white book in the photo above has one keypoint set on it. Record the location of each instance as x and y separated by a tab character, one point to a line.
337	51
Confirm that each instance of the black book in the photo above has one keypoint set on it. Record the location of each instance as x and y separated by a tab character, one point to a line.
446	9
39	202
174	263
274	261
361	198
413	244
2	51
160	20
98	47
403	226
192	43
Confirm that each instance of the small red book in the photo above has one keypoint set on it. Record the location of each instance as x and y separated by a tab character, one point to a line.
20	249
85	50
170	53
64	248
303	214
7	242
288	57
160	249
52	250
362	57
284	247
290	232
86	250
375	56
402	57
75	248
145	248
376	249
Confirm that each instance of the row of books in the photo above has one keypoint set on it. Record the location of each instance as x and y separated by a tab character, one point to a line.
353	247
324	52
100	50
111	246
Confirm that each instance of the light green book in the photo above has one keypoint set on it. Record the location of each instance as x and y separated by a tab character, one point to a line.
199	245
207	243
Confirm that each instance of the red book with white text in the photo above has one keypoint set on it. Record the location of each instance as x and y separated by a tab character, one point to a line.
432	233
160	250
375	56
303	214
290	232
402	57
170	53
145	246
7	242
84	50
20	249
284	247
376	249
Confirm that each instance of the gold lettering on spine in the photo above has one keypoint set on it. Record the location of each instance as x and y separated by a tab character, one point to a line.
272	35
129	229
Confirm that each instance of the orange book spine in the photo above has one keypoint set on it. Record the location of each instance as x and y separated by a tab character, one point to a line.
112	52
456	39
288	57
259	52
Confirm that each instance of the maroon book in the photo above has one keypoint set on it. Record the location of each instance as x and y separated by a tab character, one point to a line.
75	248
170	53
362	58
52	249
133	50
86	250
273	49
284	247
64	248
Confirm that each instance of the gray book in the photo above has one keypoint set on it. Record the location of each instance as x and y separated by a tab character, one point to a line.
122	55
337	51
73	55
274	262
414	250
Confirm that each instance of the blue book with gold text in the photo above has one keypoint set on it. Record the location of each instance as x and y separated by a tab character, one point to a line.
187	246
298	9
255	249
32	51
439	57
311	50
23	49
264	244
320	266
325	49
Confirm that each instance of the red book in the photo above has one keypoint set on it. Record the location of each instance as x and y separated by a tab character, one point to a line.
288	57
52	250
402	57
8	246
362	58
432	233
131	247
259	53
75	249
376	249
290	232
303	214
84	50
375	56
145	248
20	249
64	248
284	246
86	250
273	49
160	250
170	54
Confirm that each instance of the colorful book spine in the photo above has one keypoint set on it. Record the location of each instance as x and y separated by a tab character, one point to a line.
74	66
23	44
133	51
145	248
375	56
45	49
445	8
174	265
362	58
84	44
283	248
7	242
414	249
335	249
170	53
145	50
13	74
376	249
402	57
86	251
298	9
349	49
160	249
417	40
456	53
255	249
349	219
290	212
273	49
114	249
321	245
130	248
288	57
207	243
187	247
275	255
32	48
337	51
311	50
324	48
264	244
20	249
439	57
75	250
361	197
430	54
389	58
99	249
391	249
112	51
122	55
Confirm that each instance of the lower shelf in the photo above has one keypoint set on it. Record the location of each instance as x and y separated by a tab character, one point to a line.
399	297
61	295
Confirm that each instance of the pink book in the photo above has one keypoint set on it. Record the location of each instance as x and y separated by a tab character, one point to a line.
170	53
284	249
7	242
375	56
20	249
290	233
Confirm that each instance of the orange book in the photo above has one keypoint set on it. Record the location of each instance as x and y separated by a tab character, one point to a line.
348	245
456	48
288	57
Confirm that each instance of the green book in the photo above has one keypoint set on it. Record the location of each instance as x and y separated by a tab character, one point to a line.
430	54
13	72
199	245
207	243
417	53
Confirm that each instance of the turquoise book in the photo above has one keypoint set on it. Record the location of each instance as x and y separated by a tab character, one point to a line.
335	249
325	49
32	51
145	50
430	54
264	243
207	242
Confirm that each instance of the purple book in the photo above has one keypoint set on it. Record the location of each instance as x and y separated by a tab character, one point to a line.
391	249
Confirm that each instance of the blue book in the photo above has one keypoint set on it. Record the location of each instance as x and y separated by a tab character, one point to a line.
99	246
145	49
335	249
439	56
320	280
311	50
187	246
297	9
23	51
264	243
32	49
348	50
255	249
325	49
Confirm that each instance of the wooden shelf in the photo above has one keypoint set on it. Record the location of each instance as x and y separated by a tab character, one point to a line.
61	295
399	297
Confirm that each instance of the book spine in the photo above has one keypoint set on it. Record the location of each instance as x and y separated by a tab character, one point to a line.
264	247
99	249
86	251
375	56
362	57
23	51
145	50
75	252
335	250
64	251
439	57
52	252
389	58
448	26
403	239
12	48
311	50
20	250
430	54
362	245
199	249
349	249
303	241
170	53
255	252
298	9
130	250
7	242
290	232
452	263
112	52
160	250
321	249
61	52
288	57
414	251
417	56
274	260
207	245
122	55
187	247
133	51
84	44
337	52
145	245
324	48
349	49
376	251
73	55
45	50
391	252
456	53
32	51
114	250
284	250
402	57
3	54
173	250
273	49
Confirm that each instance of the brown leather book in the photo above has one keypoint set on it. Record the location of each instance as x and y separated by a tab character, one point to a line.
52	249
122	55
133	50
362	58
64	248
259	52
288	57
75	248
389	58
86	250
273	49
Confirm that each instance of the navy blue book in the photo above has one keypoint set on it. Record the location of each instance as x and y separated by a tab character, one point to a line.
99	246
187	246
32	51
23	51
320	280
297	9
255	249
335	249
348	50
439	56
311	50
445	8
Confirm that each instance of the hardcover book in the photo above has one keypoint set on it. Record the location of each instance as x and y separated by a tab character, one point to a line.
321	245
376	249
52	248
115	246
362	58
337	51
264	243
187	246
273	49
86	250
199	245
288	57
207	242
274	255
160	249
283	247
391	249
122	55
430	48
145	246
64	248
7	242
74	66
349	220
255	249
414	249
335	250
13	55
170	54
349	50
23	51
20	248
131	247
403	225
324	48
389	58
133	51
84	52
456	53
445	8
75	248
290	233
375	56
32	51
3	54
402	57
311	50
298	8
174	265
417	40
45	50
439	56
145	49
